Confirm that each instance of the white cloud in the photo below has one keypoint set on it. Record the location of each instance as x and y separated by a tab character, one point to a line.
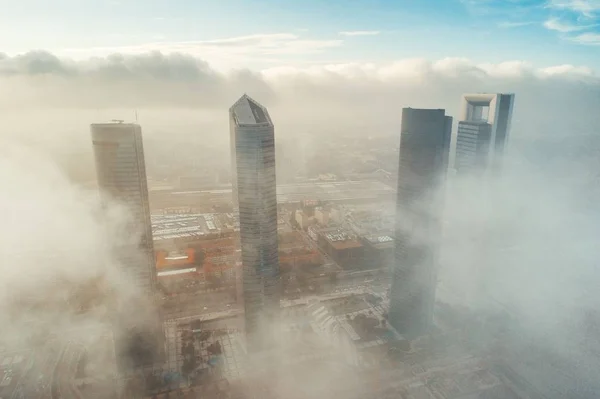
510	24
360	33
591	39
224	53
567	69
557	25
586	8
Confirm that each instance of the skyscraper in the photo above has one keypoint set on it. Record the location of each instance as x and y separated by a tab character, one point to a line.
121	172
252	142
424	149
482	132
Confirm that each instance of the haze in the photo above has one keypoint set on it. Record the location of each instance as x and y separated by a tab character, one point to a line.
518	267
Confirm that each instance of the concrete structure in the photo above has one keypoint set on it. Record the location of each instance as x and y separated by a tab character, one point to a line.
379	250
336	215
483	131
176	231
322	216
342	246
252	141
121	171
424	149
302	219
294	252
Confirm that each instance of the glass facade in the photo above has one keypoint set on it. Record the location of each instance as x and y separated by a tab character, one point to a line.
253	161
424	151
121	172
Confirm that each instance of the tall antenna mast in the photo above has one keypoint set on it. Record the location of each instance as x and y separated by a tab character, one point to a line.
136	116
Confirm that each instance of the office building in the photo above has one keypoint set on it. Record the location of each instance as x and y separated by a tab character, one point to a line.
482	133
424	150
121	172
254	187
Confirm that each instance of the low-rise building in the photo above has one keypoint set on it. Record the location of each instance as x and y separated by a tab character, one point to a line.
342	246
322	216
379	250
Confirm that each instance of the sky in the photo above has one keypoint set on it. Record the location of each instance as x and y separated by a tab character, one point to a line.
261	34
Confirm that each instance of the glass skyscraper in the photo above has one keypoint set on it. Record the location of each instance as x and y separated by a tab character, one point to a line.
121	172
483	131
252	143
424	150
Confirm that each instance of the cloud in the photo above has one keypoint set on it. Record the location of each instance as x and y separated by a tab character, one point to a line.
566	70
360	33
241	50
557	25
53	228
590	39
586	8
154	79
510	24
182	96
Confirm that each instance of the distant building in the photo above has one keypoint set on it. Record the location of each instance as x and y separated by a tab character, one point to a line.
342	246
322	216
252	141
483	131
379	250
336	215
121	171
302	219
481	140
424	148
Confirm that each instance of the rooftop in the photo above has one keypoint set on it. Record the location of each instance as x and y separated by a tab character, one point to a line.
166	227
248	112
380	241
340	239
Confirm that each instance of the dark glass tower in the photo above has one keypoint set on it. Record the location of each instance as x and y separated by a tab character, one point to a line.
424	150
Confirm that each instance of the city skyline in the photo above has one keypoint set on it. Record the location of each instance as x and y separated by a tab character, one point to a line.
333	262
328	199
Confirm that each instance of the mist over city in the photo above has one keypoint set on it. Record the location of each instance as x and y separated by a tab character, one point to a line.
309	200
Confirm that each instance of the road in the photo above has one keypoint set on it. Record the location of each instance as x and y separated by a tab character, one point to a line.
64	372
37	383
194	304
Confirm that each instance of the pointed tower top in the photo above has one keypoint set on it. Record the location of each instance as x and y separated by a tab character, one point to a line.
247	111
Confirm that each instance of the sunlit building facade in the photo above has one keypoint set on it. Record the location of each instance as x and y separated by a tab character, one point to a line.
424	150
252	143
482	133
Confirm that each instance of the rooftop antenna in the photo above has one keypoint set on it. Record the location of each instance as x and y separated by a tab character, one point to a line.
136	116
117	120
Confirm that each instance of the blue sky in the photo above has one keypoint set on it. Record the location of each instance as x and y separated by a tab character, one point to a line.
264	33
